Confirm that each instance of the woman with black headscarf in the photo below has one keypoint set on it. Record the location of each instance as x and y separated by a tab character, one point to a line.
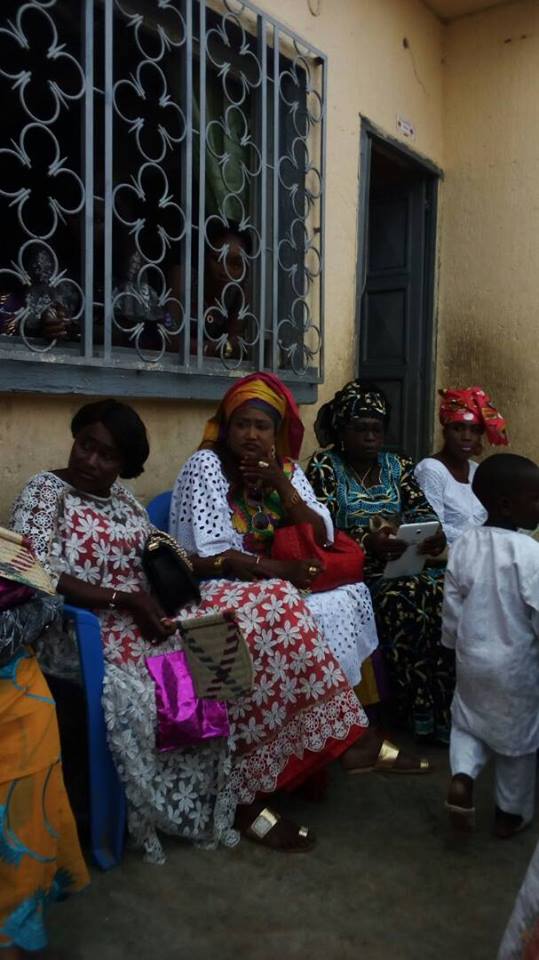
369	493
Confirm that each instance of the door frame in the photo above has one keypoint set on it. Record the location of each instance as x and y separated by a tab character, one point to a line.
370	133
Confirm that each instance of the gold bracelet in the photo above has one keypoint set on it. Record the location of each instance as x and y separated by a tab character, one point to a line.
218	563
112	601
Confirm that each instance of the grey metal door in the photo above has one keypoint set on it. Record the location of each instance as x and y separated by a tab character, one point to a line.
395	313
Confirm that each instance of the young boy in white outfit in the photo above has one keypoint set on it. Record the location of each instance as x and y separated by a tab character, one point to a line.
491	620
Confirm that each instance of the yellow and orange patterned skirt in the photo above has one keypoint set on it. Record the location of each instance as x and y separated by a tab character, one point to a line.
40	856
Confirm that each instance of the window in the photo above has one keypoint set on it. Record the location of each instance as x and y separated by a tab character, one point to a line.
162	197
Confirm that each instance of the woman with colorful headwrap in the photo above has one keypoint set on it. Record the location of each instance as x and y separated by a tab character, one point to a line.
307	651
369	492
446	477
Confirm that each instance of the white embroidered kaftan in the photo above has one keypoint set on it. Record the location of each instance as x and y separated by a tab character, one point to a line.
491	619
300	714
201	520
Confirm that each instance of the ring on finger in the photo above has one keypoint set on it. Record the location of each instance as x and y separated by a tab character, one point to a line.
263	464
312	570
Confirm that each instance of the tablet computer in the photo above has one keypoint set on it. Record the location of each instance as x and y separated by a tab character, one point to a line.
411	563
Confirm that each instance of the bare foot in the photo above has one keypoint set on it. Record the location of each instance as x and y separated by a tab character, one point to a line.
460	803
364	754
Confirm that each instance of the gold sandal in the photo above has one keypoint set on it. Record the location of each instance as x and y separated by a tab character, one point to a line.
385	763
266	821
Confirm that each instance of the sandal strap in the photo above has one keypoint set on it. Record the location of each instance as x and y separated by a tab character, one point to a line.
387	755
263	823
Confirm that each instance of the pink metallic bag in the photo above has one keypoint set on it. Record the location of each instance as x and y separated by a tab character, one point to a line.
193	685
183	719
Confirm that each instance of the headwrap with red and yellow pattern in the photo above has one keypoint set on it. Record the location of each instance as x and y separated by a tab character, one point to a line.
265	389
473	405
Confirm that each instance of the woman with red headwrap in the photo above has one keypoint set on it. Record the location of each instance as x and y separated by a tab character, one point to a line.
446	477
307	651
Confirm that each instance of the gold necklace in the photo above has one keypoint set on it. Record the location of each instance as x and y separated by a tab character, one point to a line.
361	480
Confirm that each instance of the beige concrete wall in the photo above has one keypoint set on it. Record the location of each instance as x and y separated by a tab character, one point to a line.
370	73
489	286
35	435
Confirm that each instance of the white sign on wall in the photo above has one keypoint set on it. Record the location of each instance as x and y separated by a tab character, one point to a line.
405	127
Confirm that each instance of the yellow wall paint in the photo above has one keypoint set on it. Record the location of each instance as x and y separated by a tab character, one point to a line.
369	73
35	435
489	284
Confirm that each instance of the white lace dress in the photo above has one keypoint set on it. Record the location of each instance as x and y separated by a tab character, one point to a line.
201	520
300	714
455	503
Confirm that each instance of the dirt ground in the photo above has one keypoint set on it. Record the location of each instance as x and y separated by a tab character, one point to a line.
386	880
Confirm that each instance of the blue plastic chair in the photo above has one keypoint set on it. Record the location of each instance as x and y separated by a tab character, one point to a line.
107	796
159	509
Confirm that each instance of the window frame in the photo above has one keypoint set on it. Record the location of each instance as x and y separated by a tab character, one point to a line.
119	369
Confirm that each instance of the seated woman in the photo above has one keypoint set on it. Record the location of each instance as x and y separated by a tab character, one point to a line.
446	477
357	481
234	492
227	502
40	857
89	531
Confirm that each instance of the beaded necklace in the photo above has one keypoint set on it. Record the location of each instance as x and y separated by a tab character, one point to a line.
256	513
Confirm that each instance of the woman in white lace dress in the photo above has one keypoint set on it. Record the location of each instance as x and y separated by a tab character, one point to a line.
446	477
89	532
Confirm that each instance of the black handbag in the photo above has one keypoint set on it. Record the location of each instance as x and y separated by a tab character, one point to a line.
170	572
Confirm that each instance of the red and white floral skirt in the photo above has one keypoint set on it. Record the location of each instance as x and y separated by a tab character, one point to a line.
300	715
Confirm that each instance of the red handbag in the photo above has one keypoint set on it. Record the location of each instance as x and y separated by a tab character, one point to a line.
342	560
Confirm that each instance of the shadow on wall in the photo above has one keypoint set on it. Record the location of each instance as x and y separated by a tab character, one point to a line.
475	351
475	355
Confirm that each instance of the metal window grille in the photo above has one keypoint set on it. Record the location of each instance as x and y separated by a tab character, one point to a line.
156	151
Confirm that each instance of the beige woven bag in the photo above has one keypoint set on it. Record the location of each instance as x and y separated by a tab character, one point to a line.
218	656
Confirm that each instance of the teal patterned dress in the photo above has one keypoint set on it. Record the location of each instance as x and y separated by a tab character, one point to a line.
407	609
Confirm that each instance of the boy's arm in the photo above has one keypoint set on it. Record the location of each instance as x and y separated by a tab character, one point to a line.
450	611
535	612
529	580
